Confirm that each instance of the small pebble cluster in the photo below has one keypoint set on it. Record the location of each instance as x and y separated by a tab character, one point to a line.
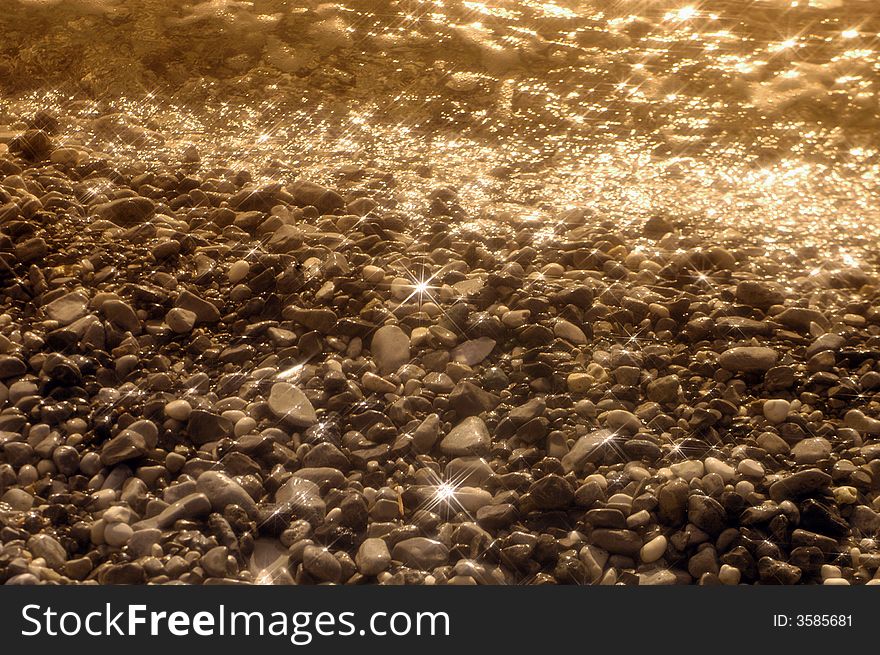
206	380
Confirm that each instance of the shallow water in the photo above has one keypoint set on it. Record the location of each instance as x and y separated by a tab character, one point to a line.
750	122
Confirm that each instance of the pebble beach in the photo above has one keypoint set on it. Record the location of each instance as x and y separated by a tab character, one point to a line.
219	369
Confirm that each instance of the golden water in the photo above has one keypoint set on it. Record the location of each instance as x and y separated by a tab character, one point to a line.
753	122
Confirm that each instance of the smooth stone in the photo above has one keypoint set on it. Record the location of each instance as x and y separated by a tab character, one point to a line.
570	332
426	434
551	492
127	212
664	390
390	348
468	471
49	548
857	420
238	271
473	351
812	450
11	367
421	553
302	497
206	312
776	411
205	427
215	561
141	541
748	359
18	499
291	405
589	448
121	314
707	514
127	445
117	534
221	490
470	437
180	320
192	506
372	557
618	542
179	410
653	550
751	468
622	421
68	308
320	563
798	484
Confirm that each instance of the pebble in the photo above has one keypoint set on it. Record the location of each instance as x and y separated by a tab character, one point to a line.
213	380
373	557
291	405
470	437
653	549
180	320
776	411
222	491
421	553
179	410
749	359
390	347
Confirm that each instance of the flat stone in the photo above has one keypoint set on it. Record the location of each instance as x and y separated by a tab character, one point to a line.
569	331
205	426
122	315
291	405
467	399
748	359
127	445
758	294
206	312
421	553
127	212
68	307
622	421
812	450
470	437
469	471
221	490
11	367
426	434
798	484
800	318
473	351
590	448
618	542
189	507
180	320
390	348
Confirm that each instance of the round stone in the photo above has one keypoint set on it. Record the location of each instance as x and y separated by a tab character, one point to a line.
179	410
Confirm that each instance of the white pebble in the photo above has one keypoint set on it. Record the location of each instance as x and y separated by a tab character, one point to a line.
653	550
238	271
178	410
776	411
